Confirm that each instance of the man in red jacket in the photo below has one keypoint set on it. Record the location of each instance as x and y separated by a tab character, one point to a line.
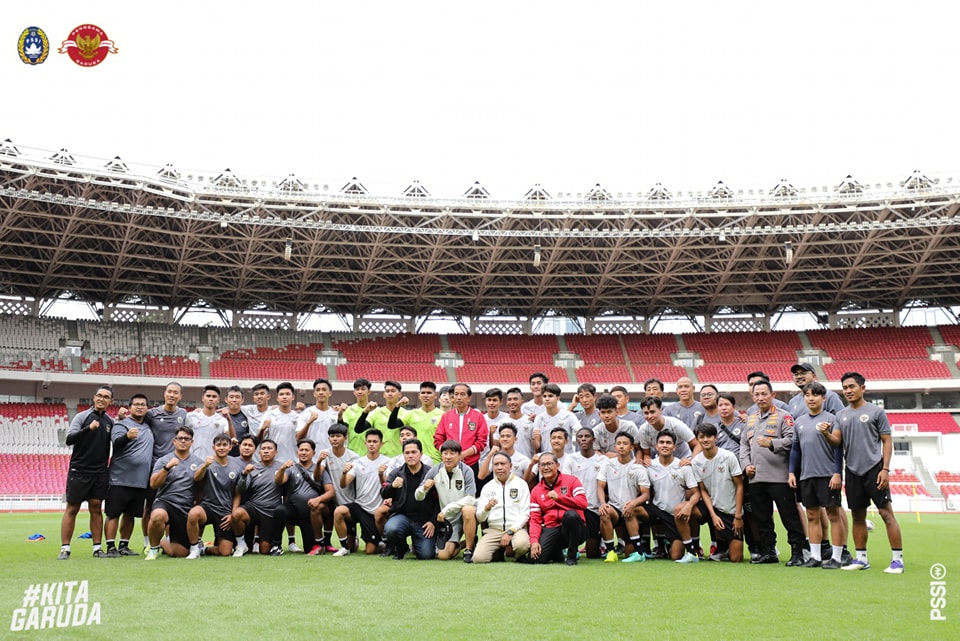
556	514
465	425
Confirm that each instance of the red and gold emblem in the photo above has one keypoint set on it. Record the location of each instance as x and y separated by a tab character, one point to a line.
87	45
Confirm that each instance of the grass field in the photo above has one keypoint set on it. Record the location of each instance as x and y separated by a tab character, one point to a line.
364	598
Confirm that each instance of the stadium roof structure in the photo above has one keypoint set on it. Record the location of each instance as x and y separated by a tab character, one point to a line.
112	232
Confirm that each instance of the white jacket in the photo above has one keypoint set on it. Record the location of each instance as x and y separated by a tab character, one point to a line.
512	510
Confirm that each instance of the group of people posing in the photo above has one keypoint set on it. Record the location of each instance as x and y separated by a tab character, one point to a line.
532	480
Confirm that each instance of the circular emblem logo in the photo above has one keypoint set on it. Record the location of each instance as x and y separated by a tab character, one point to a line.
33	46
864	418
232	475
87	45
193	467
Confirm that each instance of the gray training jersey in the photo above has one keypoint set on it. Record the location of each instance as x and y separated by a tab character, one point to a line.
219	484
299	481
831	403
862	428
817	456
689	415
178	488
131	463
165	425
260	489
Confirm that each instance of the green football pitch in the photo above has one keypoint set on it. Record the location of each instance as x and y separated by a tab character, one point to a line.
362	598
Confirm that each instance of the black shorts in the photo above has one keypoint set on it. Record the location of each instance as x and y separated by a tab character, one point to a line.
726	534
86	487
666	521
125	500
270	528
368	527
177	520
815	492
593	524
863	489
213	518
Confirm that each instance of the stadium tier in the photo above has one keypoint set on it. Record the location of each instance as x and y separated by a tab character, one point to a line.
222	353
33	473
942	422
728	347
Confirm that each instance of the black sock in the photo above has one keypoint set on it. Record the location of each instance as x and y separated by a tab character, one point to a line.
110	545
124	544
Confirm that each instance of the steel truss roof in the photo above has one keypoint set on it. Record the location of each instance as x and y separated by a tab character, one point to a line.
111	235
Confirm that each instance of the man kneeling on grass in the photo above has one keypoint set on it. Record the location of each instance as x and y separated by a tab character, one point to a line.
456	490
505	507
219	475
173	479
410	517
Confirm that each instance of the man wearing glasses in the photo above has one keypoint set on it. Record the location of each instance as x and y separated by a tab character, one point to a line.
173	479
129	476
89	434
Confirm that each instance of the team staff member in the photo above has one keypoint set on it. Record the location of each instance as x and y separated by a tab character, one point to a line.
865	433
130	470
456	491
173	479
556	514
815	467
89	434
261	503
505	507
465	425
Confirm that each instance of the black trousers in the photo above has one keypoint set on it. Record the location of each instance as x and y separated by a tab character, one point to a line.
571	533
763	496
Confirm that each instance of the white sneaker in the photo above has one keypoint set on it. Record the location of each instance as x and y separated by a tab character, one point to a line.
152	554
293	548
194	552
342	552
241	549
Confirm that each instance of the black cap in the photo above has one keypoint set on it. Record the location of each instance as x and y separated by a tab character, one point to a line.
802	367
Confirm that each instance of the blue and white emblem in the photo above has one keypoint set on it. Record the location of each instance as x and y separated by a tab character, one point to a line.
33	46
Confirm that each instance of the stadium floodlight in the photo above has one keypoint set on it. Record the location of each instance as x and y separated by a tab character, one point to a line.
536	255
788	246
288	249
476	235
722	237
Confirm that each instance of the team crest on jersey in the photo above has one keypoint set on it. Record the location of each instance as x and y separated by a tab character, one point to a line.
864	418
736	431
514	493
471	425
232	475
33	46
720	467
433	421
193	467
459	484
563	490
179	420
